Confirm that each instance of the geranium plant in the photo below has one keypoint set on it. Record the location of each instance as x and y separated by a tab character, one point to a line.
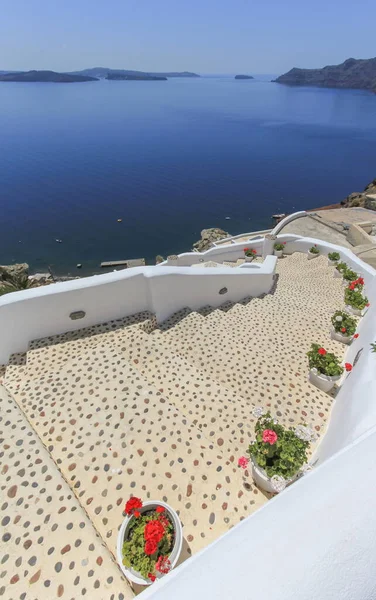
334	256
149	541
342	266
279	246
325	362
250	252
355	299
314	249
279	450
343	323
357	284
349	275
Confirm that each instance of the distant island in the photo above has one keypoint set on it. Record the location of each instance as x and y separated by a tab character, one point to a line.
45	77
102	72
353	73
244	77
119	77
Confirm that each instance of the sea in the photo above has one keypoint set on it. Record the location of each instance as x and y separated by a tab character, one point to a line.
115	170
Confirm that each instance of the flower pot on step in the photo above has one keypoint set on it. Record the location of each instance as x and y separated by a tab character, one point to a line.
339	337
312	255
264	482
332	263
354	311
130	573
248	258
323	382
278	253
337	274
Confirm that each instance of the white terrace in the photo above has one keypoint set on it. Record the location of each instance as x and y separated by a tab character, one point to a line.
144	382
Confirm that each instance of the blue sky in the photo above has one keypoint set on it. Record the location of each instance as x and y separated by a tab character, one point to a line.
206	36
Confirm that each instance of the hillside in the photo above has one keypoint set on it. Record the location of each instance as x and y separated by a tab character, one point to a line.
244	77
45	77
353	73
102	72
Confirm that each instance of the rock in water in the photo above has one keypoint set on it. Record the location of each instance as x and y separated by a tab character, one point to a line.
208	236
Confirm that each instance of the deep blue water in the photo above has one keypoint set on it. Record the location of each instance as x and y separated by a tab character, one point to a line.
169	158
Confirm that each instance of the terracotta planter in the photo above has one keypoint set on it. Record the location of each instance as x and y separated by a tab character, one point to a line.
130	573
312	255
339	337
262	480
323	382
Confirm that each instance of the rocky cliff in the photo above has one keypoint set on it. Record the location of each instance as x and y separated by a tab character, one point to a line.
355	74
208	236
363	198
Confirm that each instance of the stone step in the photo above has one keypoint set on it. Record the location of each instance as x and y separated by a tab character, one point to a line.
224	419
15	371
112	434
50	548
48	354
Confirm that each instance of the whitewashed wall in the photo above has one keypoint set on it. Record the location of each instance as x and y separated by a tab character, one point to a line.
44	311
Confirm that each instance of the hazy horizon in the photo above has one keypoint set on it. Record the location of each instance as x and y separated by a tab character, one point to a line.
211	38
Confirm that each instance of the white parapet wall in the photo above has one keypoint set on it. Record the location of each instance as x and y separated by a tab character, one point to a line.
45	311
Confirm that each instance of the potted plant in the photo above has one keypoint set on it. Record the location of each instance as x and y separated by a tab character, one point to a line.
355	301
324	366
249	254
278	454
172	259
313	252
342	266
344	327
349	275
149	541
333	258
357	284
278	249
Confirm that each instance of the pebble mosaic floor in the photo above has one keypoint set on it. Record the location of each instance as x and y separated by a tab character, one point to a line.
128	408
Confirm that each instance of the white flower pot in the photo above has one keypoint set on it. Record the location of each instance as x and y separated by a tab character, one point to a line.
339	337
332	263
355	311
337	274
278	253
130	573
262	480
248	258
323	382
312	255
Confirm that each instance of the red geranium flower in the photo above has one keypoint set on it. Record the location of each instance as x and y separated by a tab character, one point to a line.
343	329
136	514
321	351
368	304
269	436
154	530
355	336
361	281
152	577
151	547
163	565
348	366
285	242
246	249
159	509
254	251
132	505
